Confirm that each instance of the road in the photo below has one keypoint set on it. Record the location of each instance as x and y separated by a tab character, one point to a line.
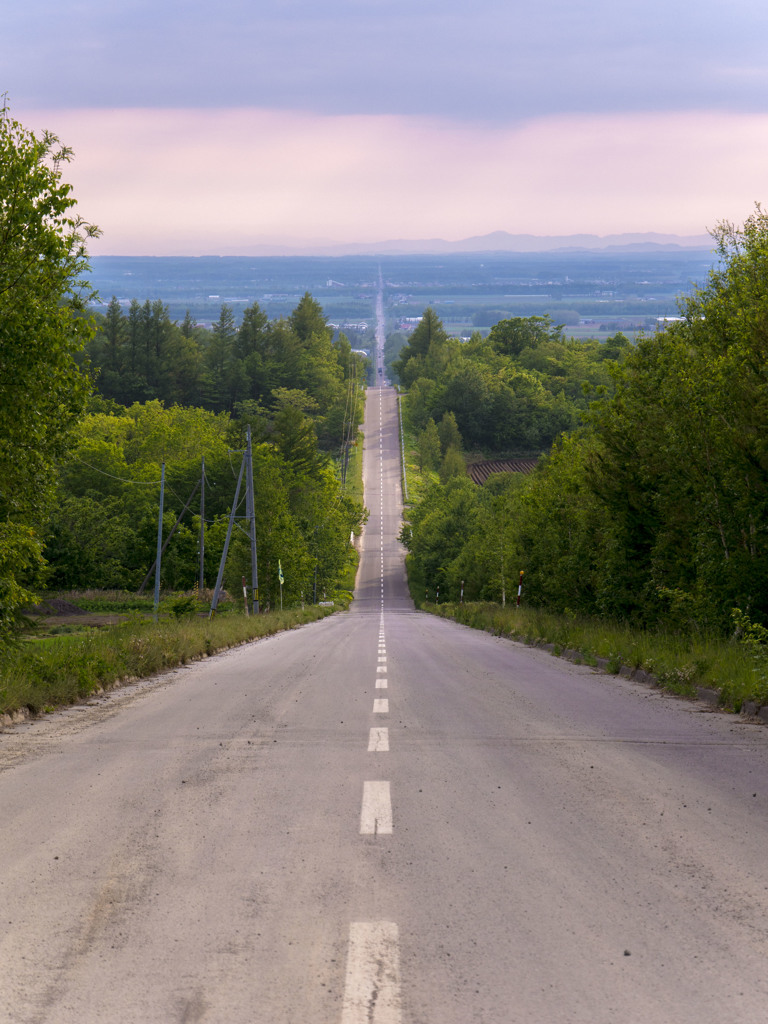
384	817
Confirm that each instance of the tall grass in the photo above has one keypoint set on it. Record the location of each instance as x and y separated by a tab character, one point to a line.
679	663
111	601
42	675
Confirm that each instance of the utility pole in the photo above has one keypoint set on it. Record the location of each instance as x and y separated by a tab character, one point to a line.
159	543
223	562
250	512
167	540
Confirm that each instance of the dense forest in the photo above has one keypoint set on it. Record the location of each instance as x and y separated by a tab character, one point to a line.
144	355
300	393
654	509
513	391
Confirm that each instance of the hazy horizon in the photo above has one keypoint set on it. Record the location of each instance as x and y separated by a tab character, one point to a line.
497	242
199	130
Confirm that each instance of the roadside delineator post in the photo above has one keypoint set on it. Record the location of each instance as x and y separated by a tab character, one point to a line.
520	587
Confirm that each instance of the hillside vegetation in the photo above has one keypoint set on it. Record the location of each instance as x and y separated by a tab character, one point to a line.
514	391
653	511
302	397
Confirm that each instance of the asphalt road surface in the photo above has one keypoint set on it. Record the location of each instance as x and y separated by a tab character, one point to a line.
384	817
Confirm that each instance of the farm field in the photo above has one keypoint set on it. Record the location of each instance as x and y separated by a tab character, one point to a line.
591	292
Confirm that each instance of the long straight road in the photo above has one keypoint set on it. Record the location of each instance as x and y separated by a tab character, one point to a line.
384	817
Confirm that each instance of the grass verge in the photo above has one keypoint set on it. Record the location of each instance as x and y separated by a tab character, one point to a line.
680	664
354	477
61	670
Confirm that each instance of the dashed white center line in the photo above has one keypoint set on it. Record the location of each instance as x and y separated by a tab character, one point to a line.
381	684
381	706
378	740
376	812
372	986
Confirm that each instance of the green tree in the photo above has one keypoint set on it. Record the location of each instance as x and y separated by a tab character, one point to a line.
511	336
429	336
188	324
226	379
453	464
42	328
448	430
438	530
114	335
250	336
308	320
429	446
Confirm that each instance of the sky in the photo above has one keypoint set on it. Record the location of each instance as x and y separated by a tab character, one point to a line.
203	128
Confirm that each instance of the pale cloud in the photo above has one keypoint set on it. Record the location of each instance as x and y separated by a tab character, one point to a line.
495	60
206	181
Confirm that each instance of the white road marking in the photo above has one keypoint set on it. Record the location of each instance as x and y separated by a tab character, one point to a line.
381	706
382	658
381	684
376	813
372	986
378	740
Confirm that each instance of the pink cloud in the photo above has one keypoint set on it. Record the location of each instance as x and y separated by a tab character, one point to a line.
176	181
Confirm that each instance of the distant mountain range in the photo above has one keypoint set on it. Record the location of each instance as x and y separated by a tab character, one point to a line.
497	241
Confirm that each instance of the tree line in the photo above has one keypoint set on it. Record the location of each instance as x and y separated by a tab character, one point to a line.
142	355
654	509
102	532
514	390
298	390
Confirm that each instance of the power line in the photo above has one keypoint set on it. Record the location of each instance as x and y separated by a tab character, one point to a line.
122	479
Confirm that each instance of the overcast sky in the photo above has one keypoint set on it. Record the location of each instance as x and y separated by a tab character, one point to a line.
209	127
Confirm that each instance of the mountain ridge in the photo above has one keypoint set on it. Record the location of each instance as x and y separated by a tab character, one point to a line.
495	241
